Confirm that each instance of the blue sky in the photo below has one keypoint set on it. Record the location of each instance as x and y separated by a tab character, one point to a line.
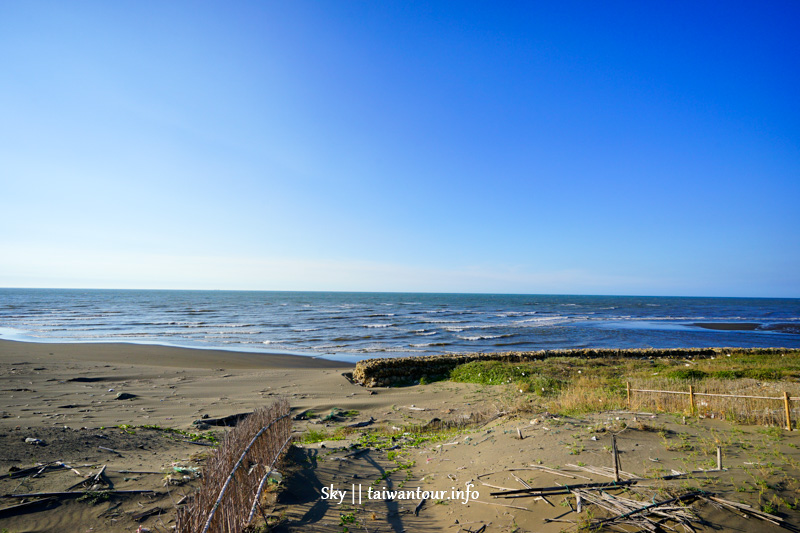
562	147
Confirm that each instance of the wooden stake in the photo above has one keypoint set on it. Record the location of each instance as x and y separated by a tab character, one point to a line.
719	458
788	412
691	399
628	388
616	459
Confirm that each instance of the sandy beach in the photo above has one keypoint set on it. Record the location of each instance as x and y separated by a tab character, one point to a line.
74	398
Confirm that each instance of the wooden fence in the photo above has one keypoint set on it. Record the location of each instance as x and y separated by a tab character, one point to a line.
235	475
786	399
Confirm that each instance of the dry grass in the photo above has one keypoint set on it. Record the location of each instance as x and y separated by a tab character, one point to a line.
231	513
587	394
742	410
573	385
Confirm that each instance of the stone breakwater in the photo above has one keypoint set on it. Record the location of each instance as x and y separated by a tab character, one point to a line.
390	372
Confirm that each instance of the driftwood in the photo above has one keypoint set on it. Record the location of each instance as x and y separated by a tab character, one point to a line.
627	512
144	515
562	489
227	421
195	442
110	450
365	423
27	506
78	493
604	471
555	472
96	479
34	470
744	508
70	467
419	506
642	509
356	453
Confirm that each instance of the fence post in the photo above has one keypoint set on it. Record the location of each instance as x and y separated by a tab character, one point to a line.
691	399
616	457
788	412
628	388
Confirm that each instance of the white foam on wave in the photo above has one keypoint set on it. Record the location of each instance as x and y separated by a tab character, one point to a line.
456	329
429	344
541	320
483	337
377	325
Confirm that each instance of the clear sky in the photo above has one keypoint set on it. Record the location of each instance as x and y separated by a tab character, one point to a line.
647	148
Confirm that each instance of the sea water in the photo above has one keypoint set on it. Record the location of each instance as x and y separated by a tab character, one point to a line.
352	326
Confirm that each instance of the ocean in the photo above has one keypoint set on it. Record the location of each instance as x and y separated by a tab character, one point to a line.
353	326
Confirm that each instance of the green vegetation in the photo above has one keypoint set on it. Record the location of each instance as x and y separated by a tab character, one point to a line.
527	377
211	438
381	438
316	435
574	385
687	374
95	497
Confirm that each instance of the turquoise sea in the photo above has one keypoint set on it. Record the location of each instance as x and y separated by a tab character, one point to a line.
352	326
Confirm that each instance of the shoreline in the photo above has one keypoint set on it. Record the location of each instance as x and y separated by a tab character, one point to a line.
164	355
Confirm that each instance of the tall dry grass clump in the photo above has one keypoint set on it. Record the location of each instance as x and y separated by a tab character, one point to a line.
587	394
235	473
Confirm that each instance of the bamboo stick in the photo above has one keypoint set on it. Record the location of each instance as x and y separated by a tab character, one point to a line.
661	391
555	472
264	480
788	411
565	489
714	394
628	389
